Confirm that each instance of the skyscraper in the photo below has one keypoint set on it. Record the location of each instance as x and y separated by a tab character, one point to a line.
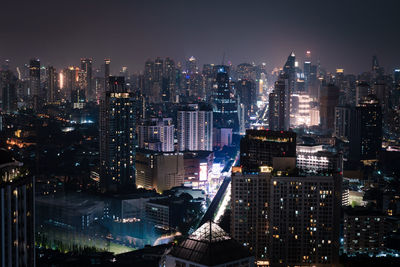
9	91
366	130
247	92
195	126
279	106
35	92
17	216
329	99
117	136
52	93
225	110
289	70
285	219
86	66
107	74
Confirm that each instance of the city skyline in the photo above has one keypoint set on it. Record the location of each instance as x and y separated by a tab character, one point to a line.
254	32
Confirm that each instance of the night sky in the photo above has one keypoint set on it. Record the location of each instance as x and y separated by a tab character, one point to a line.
341	34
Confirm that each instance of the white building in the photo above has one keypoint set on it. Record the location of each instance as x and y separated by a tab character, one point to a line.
157	134
195	129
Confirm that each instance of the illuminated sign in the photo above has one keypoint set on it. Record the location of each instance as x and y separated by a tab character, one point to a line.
203	172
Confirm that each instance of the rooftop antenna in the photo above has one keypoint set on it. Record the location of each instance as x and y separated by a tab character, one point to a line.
223	58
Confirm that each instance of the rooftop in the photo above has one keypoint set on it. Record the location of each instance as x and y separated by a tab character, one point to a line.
209	245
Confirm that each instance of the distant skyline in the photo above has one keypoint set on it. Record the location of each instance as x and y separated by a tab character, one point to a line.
340	34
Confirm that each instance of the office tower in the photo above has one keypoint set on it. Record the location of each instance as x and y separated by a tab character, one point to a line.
208	80
34	91
170	79
52	94
78	95
117	136
300	110
208	246
259	147
329	99
246	71
17	217
191	65
362	91
107	74
157	134
148	77
314	160
286	220
247	95
279	107
8	83
70	83
366	131
86	66
289	69
195	126
342	122
158	170
225	111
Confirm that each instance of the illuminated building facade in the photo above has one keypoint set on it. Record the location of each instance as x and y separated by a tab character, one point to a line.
35	91
157	134
225	110
315	159
17	218
286	220
159	170
117	136
195	128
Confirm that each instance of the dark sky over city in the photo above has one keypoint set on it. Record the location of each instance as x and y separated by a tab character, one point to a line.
339	33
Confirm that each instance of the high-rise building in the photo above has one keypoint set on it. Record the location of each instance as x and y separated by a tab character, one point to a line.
107	74
8	88
329	99
279	106
362	91
366	130
247	95
225	110
342	121
195	128
259	147
117	136
17	216
86	66
35	92
208	246
157	134
286	220
289	70
52	88
159	170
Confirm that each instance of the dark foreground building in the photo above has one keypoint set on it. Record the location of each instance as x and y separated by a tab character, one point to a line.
17	238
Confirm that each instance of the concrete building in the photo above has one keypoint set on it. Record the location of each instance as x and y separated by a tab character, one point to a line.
157	170
157	134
